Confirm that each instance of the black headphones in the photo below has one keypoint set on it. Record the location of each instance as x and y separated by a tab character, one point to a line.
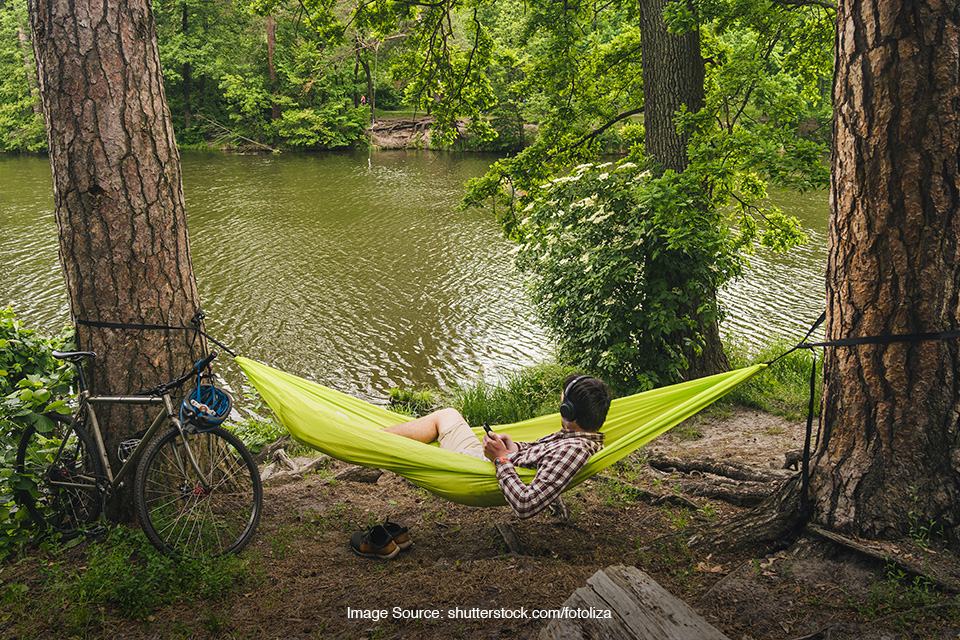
568	410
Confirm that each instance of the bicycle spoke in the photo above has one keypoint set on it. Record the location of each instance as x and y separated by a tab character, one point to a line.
191	515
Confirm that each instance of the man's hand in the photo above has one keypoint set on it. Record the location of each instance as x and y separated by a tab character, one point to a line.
496	445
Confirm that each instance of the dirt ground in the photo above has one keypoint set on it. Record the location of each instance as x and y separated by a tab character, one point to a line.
311	585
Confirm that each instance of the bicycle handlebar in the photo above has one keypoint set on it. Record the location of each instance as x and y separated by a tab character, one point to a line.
178	382
203	364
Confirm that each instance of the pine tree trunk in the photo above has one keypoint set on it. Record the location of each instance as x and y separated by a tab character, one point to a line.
117	191
889	460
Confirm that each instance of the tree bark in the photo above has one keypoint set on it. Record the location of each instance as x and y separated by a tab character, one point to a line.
673	79
117	189
889	459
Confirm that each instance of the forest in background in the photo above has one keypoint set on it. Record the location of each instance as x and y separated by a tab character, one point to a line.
307	75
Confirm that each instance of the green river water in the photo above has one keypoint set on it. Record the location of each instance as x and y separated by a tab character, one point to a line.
358	270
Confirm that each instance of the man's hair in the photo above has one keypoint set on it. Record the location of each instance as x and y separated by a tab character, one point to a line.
591	397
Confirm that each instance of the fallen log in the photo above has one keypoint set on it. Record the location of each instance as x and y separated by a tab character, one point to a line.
623	602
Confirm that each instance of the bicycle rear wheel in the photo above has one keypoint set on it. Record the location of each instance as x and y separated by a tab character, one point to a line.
186	515
59	491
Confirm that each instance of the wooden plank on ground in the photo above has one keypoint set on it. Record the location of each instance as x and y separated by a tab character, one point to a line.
639	608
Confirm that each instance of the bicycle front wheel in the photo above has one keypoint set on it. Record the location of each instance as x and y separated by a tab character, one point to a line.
57	471
190	515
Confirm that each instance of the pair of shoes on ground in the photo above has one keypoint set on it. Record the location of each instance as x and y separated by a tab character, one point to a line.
381	540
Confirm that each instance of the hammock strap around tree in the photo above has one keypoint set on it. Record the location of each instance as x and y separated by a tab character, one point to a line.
349	429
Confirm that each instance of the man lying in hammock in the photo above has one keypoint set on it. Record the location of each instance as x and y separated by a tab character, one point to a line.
557	457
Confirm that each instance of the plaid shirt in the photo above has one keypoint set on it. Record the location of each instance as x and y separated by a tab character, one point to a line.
557	459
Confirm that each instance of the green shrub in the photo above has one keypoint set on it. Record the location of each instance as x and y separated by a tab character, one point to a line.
623	268
127	573
31	382
413	403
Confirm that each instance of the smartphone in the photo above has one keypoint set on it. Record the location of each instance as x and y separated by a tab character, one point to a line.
486	427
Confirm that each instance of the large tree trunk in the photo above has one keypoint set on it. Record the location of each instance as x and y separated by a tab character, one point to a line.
117	192
889	460
673	77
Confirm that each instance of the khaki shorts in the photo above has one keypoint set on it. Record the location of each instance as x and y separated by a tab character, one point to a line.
460	438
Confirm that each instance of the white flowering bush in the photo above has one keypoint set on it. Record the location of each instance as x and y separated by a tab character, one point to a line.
623	267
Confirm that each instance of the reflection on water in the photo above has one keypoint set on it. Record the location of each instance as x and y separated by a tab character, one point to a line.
358	271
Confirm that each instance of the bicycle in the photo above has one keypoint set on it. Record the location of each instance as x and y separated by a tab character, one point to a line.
197	489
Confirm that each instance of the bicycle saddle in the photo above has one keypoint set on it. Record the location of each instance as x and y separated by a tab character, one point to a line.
73	356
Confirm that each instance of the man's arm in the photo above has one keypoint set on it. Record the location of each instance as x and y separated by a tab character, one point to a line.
553	475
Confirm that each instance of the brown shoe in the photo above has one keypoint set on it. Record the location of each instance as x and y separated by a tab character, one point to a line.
399	533
375	542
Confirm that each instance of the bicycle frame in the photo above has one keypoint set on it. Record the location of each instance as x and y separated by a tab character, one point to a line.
87	402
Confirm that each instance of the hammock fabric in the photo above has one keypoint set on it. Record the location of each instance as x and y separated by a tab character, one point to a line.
349	429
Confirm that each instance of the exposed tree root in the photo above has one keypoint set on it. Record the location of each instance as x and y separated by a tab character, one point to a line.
773	521
738	484
941	569
732	470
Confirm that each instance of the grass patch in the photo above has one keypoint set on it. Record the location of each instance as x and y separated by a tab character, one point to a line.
783	389
898	593
413	403
260	427
531	392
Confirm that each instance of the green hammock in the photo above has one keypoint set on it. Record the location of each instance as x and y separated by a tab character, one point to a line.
349	429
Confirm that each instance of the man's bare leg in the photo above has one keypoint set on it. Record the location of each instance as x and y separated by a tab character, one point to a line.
428	428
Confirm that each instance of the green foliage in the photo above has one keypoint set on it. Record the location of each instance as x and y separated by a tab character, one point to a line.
628	295
898	593
221	80
120	575
21	125
444	63
622	269
31	382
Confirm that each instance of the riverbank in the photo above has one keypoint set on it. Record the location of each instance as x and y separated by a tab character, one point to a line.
299	579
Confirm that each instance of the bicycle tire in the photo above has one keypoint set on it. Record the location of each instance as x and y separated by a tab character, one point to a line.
184	518
55	508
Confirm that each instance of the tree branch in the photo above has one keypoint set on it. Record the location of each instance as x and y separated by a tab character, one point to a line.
596	132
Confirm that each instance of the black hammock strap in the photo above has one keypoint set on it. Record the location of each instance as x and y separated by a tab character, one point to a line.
194	326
